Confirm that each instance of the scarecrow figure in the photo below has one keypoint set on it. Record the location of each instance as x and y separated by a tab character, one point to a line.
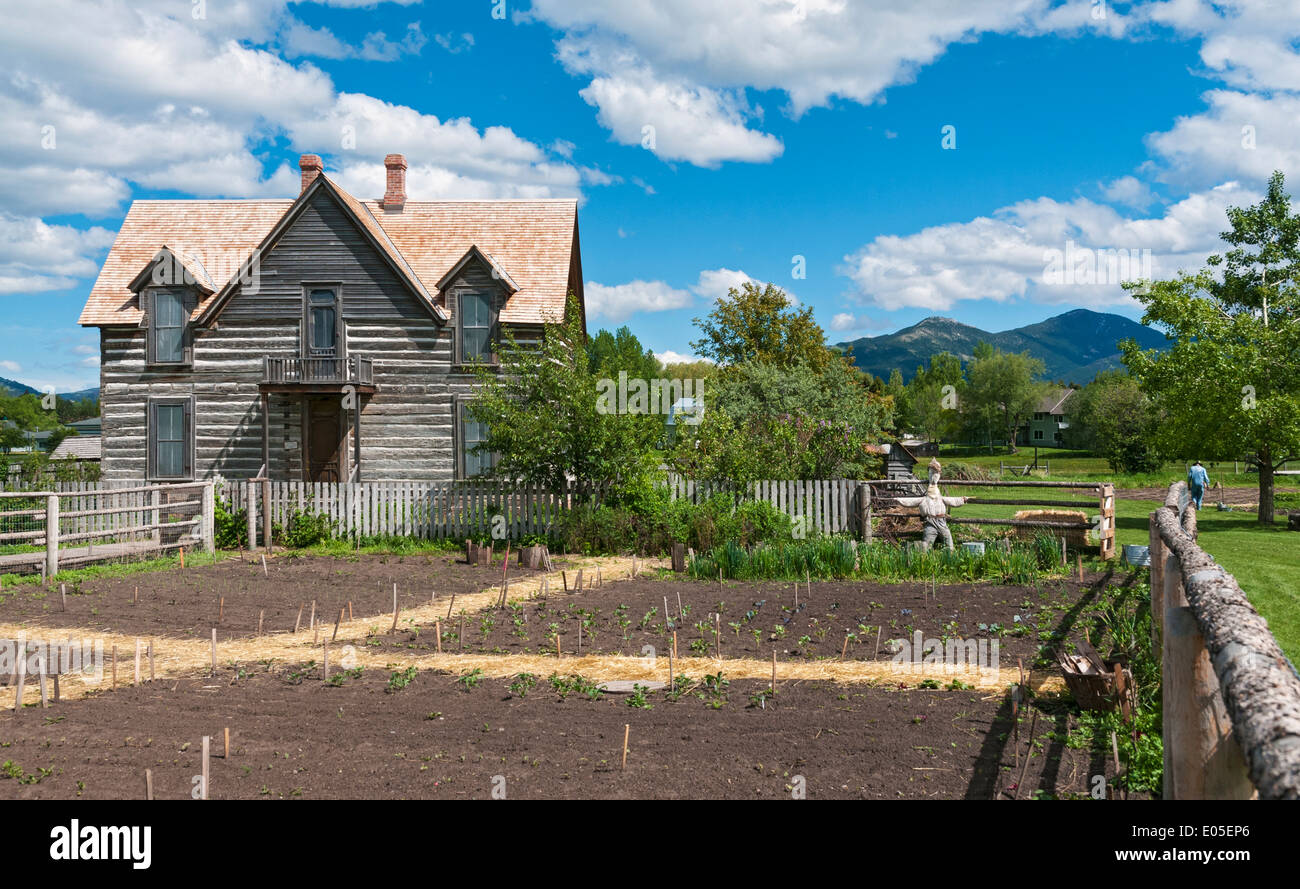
934	509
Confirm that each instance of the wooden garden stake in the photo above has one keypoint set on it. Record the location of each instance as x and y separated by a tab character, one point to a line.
1033	721
264	571
151	660
674	642
137	662
558	655
22	674
221	609
877	654
260	616
63	595
681	614
461	637
227	733
55	677
325	661
666	617
437	631
577	583
148	783
315	636
627	729
1078	557
349	609
298	623
717	633
670	672
313	612
564	577
336	625
40	679
579	637
451	605
214	660
182	558
207	743
214	651
135	599
395	609
845	650
773	671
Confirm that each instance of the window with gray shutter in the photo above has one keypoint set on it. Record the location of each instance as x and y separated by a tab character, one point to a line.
171	438
475	327
168	318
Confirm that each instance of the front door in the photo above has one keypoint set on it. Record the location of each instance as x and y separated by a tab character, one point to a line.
325	439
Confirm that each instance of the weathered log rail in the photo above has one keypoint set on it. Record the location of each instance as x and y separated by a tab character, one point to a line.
1231	697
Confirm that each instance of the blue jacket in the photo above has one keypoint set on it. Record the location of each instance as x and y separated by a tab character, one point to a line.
1198	476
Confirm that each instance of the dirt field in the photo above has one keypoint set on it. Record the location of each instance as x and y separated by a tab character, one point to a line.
399	720
295	736
759	618
188	603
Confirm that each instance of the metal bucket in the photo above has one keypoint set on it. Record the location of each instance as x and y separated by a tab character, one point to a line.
974	547
1137	556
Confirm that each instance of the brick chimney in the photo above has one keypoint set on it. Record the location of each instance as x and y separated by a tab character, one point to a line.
395	187
311	167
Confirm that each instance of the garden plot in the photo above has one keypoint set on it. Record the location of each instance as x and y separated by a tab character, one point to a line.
234	594
402	734
853	620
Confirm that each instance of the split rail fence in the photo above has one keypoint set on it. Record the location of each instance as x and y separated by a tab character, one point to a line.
1231	699
96	521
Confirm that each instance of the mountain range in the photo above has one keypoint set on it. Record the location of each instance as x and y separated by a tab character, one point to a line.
13	387
1074	346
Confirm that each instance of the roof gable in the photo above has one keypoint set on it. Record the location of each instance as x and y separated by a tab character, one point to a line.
171	268
473	253
365	223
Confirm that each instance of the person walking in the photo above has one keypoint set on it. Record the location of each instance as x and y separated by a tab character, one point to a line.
1198	480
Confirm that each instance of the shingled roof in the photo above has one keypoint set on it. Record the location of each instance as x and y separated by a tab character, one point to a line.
531	241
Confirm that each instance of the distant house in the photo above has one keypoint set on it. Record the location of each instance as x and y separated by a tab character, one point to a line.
319	337
1046	426
78	447
89	426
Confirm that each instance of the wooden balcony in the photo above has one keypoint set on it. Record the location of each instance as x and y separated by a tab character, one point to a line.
317	374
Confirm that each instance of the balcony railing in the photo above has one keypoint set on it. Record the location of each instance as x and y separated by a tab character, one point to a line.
308	371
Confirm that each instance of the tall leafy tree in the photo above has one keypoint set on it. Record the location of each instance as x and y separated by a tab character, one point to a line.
609	353
1002	390
1230	383
1113	418
934	397
545	419
761	324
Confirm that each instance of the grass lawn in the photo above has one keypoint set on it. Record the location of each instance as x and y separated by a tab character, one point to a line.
1069	465
1265	561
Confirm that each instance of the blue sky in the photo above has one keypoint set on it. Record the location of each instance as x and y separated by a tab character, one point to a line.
782	129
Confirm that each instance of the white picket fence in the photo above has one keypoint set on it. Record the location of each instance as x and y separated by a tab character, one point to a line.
824	505
458	509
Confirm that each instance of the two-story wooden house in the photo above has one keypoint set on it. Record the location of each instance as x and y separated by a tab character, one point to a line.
323	338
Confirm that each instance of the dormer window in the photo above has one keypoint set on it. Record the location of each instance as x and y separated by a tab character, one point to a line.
169	326
476	328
